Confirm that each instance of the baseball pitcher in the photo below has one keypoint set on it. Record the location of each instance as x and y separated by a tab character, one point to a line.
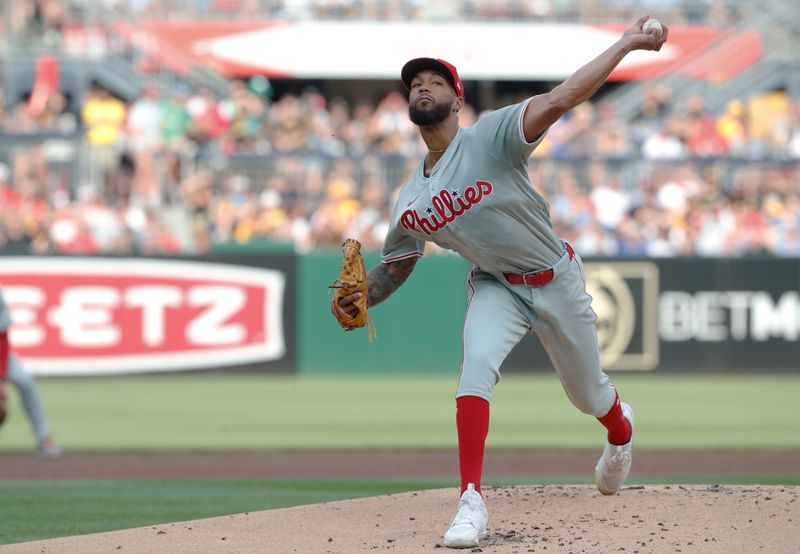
471	194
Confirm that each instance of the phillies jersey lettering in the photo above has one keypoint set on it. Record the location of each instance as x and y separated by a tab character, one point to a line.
483	171
448	204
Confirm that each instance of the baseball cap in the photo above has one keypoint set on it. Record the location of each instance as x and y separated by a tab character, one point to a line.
447	69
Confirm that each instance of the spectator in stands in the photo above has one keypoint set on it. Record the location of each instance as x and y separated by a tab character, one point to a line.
207	122
719	13
358	132
733	129
330	168
610	201
702	137
144	140
71	234
175	120
613	138
394	133
244	112
665	143
655	107
57	117
104	118
289	128
372	221
336	214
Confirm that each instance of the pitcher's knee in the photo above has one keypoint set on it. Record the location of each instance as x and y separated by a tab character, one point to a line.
596	405
475	390
477	383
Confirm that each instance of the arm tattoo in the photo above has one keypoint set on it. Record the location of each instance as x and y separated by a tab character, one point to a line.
386	278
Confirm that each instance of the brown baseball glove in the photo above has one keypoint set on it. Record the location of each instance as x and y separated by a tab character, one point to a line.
352	279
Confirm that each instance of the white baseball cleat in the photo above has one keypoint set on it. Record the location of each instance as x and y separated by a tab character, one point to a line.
469	526
46	449
614	465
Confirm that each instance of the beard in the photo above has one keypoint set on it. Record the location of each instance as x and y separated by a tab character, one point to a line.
429	116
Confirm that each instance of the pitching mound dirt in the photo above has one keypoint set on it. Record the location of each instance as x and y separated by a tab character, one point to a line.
551	518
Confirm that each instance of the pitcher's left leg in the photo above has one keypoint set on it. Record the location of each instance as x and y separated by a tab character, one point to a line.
566	325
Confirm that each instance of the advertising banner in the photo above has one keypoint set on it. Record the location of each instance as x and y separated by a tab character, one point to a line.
243	312
99	316
689	315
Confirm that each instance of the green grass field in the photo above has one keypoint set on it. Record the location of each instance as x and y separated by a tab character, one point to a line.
258	413
262	413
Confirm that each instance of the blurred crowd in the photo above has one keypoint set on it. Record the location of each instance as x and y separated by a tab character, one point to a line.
719	13
186	171
47	20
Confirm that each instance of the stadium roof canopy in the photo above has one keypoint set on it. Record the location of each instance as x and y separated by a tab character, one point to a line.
376	50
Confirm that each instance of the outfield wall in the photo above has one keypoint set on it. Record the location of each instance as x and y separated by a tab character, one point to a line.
691	315
269	312
676	315
419	327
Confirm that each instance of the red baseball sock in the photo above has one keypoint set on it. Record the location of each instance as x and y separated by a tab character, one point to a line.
619	428
472	420
4	350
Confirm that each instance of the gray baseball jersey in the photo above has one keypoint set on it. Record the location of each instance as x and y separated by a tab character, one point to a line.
479	202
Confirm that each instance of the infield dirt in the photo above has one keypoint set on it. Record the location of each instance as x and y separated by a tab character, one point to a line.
546	519
552	518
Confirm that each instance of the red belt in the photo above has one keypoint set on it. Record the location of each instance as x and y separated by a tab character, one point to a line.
538	279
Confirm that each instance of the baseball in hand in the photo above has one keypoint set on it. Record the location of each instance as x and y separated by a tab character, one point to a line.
653	24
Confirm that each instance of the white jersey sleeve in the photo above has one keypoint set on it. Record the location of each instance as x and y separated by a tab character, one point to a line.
501	133
398	244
